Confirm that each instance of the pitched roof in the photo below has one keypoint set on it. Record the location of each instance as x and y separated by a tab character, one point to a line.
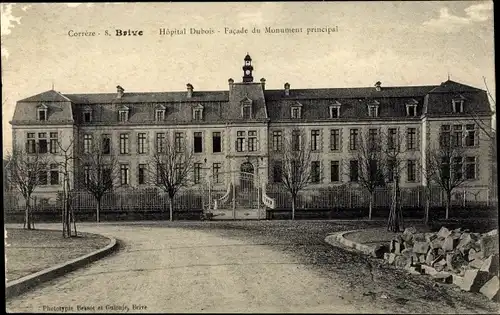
48	96
149	97
450	86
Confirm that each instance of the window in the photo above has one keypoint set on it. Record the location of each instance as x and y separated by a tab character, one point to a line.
277	171
54	146
252	141
160	170
160	142
240	141
353	170
42	142
86	174
315	172
470	167
42	175
87	143
106	144
372	111
457	168
179	142
391	168
296	112
197	173
335	171
335	139
411	110
42	114
106	176
296	137
124	174
246	111
445	168
411	138
197	114
160	115
373	171
277	140
178	170
444	138
412	170
123	115
87	116
141	143
141	175
198	142
353	139
314	140
216	142
392	136
30	143
334	111
373	139
216	167
470	132
457	136
124	143
54	174
457	106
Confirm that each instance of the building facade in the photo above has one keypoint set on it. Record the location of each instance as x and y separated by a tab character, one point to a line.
244	128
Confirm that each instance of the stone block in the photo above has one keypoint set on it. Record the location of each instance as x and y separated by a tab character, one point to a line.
428	270
440	264
392	246
449	243
490	288
476	263
489	245
429	237
437	242
407	235
398	247
402	261
421	247
422	258
444	277
473	280
392	258
454	260
492	233
419	237
443	232
466	242
380	250
429	258
386	256
407	252
473	254
490	264
457	279
413	270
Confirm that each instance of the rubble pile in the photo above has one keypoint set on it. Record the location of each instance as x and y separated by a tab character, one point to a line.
468	260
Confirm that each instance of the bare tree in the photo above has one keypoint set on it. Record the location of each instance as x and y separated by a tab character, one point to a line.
25	173
429	169
394	155
99	171
170	167
297	171
446	167
68	214
371	162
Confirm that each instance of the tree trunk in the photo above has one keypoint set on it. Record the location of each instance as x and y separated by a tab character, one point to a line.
370	206
98	210
427	207
293	207
27	215
171	208
448	203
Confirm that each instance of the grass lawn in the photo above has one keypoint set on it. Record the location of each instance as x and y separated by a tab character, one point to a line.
29	251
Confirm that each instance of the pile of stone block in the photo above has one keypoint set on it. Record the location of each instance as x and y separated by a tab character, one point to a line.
469	260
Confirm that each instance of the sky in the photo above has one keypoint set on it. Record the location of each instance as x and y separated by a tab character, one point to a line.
397	43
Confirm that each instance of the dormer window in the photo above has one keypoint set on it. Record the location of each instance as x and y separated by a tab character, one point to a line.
373	109
458	104
335	110
411	108
123	114
198	112
246	108
42	112
296	111
87	117
160	115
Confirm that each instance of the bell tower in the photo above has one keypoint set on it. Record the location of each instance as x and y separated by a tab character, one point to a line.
247	69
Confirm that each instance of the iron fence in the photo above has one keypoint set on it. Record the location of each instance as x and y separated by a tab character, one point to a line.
198	199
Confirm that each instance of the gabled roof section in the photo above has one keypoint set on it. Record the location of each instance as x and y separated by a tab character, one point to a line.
452	86
198	106
412	102
459	97
246	100
123	107
160	107
296	104
42	106
48	96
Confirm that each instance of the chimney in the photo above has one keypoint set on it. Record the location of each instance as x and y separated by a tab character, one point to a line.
287	89
119	91
190	90
378	86
263	83
230	81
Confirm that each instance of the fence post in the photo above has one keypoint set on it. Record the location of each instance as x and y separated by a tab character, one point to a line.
350	197
464	198
487	197
418	197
